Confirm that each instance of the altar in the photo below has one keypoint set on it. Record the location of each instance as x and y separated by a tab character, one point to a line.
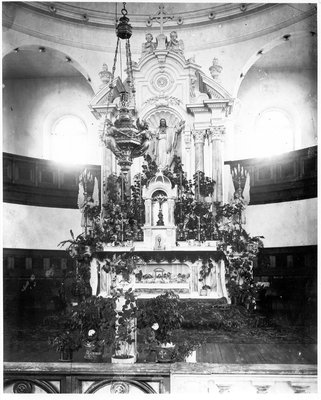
190	268
169	163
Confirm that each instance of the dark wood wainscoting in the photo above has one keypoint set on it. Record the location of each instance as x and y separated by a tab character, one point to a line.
286	177
291	276
38	182
51	269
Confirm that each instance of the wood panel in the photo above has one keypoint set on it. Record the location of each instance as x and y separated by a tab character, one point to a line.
37	182
287	177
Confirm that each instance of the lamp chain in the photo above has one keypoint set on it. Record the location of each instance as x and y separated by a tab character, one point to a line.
130	73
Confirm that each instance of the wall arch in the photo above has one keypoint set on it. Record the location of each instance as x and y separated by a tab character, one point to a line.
281	40
41	88
54	53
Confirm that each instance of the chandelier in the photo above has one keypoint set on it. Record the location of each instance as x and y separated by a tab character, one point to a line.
125	137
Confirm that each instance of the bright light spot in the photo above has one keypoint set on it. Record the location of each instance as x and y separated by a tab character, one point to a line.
273	134
69	141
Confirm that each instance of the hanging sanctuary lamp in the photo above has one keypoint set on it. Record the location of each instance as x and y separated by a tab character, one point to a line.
125	137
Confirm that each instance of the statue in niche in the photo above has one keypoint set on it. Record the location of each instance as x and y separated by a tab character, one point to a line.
166	143
215	68
175	44
149	46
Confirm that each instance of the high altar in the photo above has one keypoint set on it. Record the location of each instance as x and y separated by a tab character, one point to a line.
185	113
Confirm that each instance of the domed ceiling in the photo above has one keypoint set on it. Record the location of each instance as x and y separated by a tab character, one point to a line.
105	13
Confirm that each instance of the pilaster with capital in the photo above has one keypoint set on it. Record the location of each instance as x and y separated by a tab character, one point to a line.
216	136
199	139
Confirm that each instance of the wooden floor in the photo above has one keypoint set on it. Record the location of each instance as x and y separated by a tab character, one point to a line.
226	353
31	345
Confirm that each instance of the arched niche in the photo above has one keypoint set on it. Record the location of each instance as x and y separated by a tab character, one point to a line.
159	228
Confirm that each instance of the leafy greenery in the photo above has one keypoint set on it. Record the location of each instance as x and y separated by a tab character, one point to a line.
125	326
95	319
215	314
66	340
240	250
164	311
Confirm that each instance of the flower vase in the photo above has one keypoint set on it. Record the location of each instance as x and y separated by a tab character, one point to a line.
65	355
122	359
92	354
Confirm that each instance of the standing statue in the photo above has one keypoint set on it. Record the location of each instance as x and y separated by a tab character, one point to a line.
149	46
166	141
174	44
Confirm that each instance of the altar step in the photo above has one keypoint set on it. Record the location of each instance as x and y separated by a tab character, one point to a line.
199	378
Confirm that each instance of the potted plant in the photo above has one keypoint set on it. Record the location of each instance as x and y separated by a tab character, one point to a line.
159	318
126	313
95	318
66	342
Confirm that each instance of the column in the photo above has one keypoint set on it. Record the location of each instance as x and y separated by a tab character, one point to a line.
217	133
199	138
148	210
186	155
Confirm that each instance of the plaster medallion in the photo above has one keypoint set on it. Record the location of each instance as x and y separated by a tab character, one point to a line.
119	387
162	82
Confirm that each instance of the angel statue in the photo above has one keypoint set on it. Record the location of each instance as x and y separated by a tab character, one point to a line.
88	196
174	44
149	46
108	136
145	137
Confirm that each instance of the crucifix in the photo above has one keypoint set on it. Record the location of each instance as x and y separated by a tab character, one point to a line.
161	17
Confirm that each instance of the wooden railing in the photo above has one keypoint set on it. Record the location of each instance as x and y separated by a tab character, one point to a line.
38	182
159	378
286	177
